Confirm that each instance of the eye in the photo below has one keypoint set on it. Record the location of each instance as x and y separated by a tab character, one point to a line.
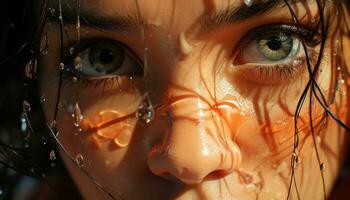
273	54
270	48
278	46
102	58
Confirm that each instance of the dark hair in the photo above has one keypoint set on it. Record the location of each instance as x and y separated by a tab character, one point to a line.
20	44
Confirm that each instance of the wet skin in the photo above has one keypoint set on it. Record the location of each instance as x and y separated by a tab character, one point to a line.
223	96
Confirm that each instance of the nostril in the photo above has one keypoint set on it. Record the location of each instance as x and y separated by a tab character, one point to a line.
168	176
217	174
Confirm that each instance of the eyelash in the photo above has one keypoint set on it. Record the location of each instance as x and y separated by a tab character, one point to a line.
286	71
73	50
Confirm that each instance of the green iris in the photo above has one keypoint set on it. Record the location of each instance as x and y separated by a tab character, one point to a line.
106	58
275	46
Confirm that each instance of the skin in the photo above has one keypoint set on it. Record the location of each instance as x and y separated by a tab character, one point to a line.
220	130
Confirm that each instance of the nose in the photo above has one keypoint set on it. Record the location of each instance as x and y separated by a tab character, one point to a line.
196	145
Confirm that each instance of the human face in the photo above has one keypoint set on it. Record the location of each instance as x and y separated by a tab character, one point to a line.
222	81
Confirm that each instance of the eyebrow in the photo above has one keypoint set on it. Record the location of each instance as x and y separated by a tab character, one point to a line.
129	23
236	14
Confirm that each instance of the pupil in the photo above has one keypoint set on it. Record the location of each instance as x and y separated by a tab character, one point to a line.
106	56
274	43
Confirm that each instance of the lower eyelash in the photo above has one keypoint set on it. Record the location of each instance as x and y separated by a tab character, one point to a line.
280	73
275	74
111	82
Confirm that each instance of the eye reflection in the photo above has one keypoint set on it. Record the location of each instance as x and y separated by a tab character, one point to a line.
277	46
106	58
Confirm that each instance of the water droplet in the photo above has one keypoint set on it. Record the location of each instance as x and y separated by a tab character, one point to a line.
26	106
248	2
44	47
145	110
61	66
42	99
79	159
72	51
77	63
245	178
52	12
75	79
54	128
24	125
29	69
77	115
296	157
322	167
52	155
43	139
335	49
44	51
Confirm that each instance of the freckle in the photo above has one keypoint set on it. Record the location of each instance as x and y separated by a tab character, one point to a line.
185	47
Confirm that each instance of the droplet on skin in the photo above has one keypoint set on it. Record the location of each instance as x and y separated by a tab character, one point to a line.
24	124
26	106
54	128
77	63
322	167
52	155
72	51
42	99
61	66
145	111
77	115
245	178
29	69
185	47
248	2
79	159
74	79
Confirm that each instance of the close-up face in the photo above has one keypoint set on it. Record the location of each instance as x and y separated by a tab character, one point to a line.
200	99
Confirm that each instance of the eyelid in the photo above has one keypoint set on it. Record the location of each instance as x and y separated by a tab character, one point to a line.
74	50
275	73
86	43
303	33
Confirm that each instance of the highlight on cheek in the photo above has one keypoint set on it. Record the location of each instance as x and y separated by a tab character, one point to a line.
231	113
101	128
